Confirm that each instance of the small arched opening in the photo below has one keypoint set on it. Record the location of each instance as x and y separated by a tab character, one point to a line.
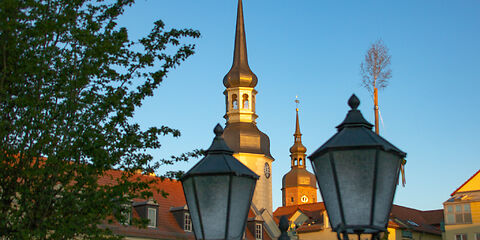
245	101
234	101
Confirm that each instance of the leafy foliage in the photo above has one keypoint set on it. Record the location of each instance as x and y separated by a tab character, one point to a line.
70	81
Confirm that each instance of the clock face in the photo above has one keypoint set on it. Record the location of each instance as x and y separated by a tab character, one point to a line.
267	170
304	199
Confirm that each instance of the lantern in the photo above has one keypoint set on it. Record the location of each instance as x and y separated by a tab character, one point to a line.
357	172
219	191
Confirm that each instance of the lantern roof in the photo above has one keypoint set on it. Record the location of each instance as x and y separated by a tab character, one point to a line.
219	160
356	132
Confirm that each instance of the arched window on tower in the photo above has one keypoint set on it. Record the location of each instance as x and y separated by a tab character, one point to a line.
245	101
234	101
295	162
300	162
253	103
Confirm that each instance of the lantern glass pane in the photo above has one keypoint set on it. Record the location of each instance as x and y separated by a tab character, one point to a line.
355	171
212	192
326	182
387	176
192	206
242	191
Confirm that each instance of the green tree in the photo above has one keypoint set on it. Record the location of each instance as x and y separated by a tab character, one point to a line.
70	82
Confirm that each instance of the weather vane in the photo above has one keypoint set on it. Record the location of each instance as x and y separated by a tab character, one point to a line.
297	102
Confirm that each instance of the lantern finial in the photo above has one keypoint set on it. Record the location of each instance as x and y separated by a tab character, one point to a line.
353	102
218	130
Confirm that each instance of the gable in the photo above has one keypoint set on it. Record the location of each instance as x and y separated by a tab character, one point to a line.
472	184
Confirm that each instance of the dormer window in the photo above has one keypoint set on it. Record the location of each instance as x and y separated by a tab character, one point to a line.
152	217
147	210
187	222
258	231
127	214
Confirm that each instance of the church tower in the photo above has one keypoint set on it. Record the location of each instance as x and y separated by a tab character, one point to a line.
251	146
298	185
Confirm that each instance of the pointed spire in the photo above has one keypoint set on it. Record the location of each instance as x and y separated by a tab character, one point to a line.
297	128
297	146
240	74
297	133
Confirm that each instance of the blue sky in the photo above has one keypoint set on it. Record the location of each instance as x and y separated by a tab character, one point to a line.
313	49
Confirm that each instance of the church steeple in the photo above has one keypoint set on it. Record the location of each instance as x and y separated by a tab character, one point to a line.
250	145
298	185
240	81
298	150
240	74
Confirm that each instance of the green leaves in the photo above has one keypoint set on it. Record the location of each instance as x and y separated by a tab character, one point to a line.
70	82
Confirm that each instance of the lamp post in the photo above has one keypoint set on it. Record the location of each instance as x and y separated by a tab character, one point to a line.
219	191
357	172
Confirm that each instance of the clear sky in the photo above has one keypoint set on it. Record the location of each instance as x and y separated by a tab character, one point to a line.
313	49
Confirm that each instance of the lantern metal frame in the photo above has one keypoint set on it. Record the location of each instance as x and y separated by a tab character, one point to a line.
355	133
218	161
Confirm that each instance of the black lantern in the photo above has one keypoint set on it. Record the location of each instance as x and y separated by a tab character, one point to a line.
219	191
357	172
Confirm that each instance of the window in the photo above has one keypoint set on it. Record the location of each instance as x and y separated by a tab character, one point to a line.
245	101
152	217
234	101
461	236
187	222
458	214
477	236
126	212
292	199
253	103
412	223
258	231
300	162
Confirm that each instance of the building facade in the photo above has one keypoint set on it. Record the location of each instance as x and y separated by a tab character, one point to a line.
462	211
310	221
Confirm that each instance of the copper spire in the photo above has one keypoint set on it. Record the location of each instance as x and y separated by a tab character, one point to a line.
297	134
240	74
297	126
297	146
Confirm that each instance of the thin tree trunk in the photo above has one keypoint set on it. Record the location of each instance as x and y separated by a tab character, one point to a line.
375	107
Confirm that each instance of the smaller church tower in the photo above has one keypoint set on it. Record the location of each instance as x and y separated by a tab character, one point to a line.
298	185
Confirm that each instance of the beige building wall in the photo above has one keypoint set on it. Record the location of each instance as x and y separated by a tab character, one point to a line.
468	193
471	230
262	198
393	234
297	193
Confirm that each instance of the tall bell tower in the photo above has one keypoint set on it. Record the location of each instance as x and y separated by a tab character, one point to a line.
251	146
298	185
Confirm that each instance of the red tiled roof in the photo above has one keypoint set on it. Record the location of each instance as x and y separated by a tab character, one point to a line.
289	210
167	226
309	228
456	190
434	217
427	221
421	221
